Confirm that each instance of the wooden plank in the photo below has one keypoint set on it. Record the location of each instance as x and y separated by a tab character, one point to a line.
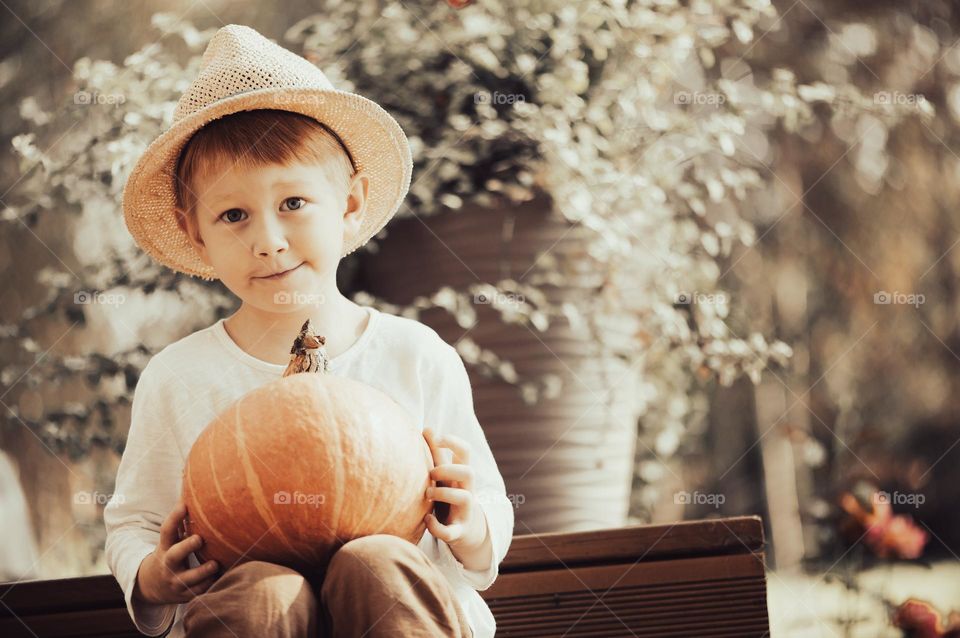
651	542
600	578
667	610
707	594
61	595
102	623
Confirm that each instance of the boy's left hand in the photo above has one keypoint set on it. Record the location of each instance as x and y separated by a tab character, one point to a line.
465	527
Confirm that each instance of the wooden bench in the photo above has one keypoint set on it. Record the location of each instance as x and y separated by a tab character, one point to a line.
695	578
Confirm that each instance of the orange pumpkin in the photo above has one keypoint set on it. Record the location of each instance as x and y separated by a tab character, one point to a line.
301	465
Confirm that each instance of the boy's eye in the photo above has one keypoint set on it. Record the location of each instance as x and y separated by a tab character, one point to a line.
294	203
232	211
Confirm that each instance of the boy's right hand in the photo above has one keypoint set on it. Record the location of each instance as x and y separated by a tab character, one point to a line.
165	575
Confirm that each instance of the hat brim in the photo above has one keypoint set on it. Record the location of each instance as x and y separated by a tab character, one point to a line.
375	140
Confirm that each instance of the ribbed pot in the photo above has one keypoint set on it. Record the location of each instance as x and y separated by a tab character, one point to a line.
567	461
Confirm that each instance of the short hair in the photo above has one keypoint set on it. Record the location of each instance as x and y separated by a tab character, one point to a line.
257	138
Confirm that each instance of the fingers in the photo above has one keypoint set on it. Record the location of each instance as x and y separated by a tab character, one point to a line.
441	509
200	588
447	533
430	437
196	575
182	594
452	495
177	554
459	447
461	473
171	525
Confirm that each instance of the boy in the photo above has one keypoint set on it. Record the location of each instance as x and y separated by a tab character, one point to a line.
266	179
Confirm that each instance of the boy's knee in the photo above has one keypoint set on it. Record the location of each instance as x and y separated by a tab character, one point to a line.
388	586
274	584
253	571
255	594
376	550
374	560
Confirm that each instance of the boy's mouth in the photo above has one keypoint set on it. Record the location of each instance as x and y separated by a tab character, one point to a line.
281	274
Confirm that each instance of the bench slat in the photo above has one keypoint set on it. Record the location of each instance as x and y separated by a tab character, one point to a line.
102	623
710	537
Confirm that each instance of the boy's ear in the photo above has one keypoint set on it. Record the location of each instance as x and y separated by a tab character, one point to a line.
356	202
188	224
181	218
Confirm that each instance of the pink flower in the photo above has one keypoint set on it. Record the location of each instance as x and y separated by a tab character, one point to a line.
886	534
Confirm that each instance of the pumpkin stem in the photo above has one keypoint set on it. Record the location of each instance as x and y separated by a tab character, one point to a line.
308	353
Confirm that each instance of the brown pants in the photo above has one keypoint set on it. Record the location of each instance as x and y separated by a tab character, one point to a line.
374	586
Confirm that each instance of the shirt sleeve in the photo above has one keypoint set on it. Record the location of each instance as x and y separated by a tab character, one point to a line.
146	491
454	414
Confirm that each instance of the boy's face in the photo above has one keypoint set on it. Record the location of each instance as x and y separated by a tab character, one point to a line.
251	222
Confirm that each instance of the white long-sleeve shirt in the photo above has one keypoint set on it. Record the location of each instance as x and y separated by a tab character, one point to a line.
185	385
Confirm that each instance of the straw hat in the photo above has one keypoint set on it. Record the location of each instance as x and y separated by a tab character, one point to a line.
242	71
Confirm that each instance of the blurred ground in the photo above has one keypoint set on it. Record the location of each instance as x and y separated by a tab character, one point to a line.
809	606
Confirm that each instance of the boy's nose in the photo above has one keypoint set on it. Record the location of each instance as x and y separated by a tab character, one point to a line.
270	238
268	248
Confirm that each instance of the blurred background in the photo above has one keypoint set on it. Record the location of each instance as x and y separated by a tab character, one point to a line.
699	258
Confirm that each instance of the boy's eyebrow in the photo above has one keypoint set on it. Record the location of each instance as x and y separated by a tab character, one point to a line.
290	182
293	182
285	183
